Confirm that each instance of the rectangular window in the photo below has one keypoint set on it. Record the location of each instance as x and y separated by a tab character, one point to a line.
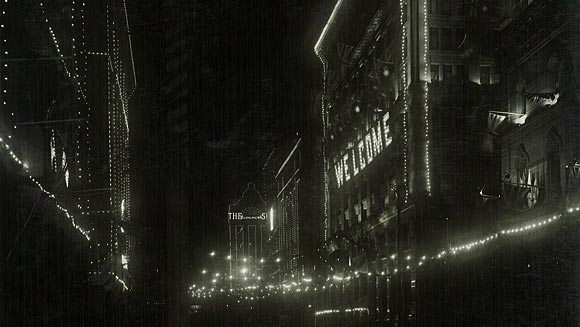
433	7
484	75
445	7
434	73
447	72
458	8
446	39
460	73
434	38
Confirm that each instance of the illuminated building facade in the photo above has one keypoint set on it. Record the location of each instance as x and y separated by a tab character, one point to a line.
540	131
248	230
69	111
291	189
407	86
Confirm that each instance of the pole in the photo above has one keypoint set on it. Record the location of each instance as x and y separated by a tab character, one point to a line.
402	317
400	292
31	214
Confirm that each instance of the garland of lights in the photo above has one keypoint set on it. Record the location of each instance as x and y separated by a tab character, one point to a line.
119	178
402	7
304	284
4	67
24	166
79	81
317	48
130	48
118	130
15	158
426	94
324	160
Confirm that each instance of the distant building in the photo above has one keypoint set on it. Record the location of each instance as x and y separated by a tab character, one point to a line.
249	224
292	194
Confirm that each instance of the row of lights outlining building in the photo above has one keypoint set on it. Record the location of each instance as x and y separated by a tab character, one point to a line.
68	77
248	230
441	121
289	181
272	227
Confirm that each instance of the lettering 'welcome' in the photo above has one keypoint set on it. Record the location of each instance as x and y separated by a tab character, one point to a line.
368	147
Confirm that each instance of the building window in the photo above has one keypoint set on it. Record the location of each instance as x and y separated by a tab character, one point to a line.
446	39
433	38
434	73
484	75
447	72
458	8
445	7
460	73
433	7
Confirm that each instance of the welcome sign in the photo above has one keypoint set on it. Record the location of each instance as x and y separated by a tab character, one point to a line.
357	158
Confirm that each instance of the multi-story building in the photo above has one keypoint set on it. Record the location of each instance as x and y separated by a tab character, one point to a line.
249	226
67	81
407	87
291	187
540	131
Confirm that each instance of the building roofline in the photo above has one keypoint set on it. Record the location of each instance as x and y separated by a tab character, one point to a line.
288	157
329	23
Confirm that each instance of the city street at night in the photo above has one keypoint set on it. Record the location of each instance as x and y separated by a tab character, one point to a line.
349	163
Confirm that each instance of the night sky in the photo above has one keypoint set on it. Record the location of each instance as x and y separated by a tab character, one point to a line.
253	86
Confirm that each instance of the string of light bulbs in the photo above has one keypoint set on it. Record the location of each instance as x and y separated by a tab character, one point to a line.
75	77
24	166
426	93
403	8
4	69
410	262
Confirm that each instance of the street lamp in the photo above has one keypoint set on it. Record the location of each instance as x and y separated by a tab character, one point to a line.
212	253
204	271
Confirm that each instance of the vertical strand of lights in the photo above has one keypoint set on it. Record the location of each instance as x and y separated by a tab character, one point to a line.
4	69
117	146
426	94
118	124
109	132
325	161
317	51
403	8
83	86
77	80
75	54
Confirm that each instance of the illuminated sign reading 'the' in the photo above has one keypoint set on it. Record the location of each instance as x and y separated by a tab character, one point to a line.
355	159
241	216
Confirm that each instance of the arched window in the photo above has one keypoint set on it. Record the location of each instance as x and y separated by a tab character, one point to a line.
522	160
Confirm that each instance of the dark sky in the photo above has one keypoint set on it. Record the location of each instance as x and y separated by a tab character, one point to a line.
254	78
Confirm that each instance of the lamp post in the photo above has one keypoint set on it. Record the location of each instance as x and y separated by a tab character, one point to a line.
400	292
